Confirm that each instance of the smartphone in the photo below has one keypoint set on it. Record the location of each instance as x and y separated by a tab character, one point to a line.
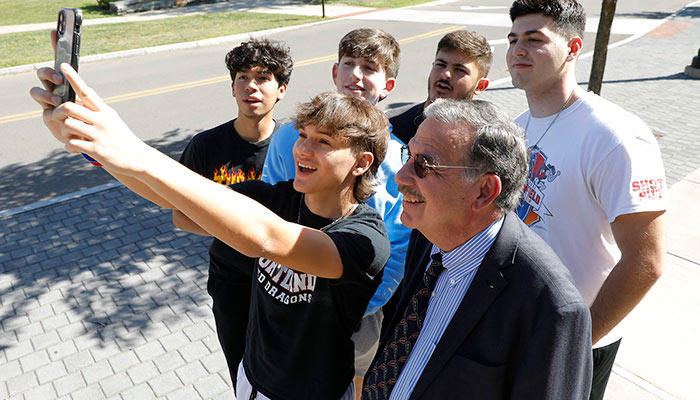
69	25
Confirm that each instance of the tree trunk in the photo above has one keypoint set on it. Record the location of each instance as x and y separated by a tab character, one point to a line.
607	13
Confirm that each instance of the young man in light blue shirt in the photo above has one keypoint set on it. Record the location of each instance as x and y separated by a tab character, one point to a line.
368	62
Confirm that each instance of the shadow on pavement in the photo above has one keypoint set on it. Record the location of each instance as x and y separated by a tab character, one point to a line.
62	173
109	266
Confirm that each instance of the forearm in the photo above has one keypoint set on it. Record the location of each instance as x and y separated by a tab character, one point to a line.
182	222
239	221
624	288
141	189
640	239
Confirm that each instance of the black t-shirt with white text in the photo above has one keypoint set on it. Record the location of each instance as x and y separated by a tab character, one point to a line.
298	344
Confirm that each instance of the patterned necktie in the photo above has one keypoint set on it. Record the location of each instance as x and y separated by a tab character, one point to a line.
387	367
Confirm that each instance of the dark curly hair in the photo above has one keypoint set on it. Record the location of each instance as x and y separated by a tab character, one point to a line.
269	54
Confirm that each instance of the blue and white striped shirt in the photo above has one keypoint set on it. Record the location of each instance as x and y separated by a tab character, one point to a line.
460	265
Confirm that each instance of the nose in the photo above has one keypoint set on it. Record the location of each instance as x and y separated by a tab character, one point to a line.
251	86
356	72
302	147
405	175
517	49
446	74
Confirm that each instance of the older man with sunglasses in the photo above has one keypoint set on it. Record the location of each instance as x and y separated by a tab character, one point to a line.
486	309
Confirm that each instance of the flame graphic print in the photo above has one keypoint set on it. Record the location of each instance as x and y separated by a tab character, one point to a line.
227	176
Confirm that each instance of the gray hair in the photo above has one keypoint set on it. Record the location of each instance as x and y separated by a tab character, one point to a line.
498	145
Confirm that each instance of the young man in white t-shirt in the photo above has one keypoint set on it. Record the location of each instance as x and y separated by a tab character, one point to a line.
596	191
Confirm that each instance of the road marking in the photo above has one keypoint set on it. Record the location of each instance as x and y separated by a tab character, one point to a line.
218	79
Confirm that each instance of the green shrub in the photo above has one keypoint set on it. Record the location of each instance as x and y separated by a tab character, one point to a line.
104	3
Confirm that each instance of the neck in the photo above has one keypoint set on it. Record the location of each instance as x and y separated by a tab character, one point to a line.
547	101
452	237
254	129
330	205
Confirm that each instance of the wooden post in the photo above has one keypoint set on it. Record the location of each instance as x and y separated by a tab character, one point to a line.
607	13
323	8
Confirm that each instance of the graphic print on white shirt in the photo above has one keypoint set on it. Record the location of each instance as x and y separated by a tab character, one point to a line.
284	284
533	208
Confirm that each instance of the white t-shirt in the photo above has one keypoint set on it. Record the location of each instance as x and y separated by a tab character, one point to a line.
596	162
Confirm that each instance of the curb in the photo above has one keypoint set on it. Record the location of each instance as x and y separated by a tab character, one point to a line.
58	199
167	47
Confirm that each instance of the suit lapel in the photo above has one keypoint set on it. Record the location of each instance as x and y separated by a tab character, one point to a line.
484	289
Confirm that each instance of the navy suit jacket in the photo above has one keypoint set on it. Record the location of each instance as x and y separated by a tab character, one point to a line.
522	330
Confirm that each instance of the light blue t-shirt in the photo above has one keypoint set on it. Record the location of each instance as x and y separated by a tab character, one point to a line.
280	166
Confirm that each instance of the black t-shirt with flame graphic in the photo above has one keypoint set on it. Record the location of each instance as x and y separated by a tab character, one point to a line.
220	154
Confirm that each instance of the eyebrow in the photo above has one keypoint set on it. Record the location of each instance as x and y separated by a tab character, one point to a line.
463	65
530	32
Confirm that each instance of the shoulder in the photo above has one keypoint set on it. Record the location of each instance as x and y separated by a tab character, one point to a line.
536	268
608	121
405	110
214	133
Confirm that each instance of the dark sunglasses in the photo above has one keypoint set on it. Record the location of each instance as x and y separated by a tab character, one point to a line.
423	164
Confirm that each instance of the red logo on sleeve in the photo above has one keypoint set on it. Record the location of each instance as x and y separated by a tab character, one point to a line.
649	188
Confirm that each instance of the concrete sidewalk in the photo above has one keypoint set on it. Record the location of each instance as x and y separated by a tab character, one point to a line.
101	298
294	7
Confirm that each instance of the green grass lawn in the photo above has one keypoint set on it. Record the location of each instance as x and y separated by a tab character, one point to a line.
32	47
374	3
17	12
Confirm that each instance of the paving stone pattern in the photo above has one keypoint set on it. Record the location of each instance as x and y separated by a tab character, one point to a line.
100	297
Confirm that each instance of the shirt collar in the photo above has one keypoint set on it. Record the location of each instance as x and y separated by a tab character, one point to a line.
468	256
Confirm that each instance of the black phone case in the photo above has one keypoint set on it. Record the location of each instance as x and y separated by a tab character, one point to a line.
69	26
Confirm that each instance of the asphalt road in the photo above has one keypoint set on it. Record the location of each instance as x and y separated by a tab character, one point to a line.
168	97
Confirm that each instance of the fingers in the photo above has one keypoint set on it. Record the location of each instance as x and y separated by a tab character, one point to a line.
54	39
89	97
49	77
45	98
75	129
75	111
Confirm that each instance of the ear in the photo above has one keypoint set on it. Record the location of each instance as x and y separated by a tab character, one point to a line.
489	189
362	164
334	72
575	46
388	88
281	91
481	86
233	89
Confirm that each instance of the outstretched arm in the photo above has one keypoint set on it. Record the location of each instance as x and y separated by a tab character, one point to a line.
242	223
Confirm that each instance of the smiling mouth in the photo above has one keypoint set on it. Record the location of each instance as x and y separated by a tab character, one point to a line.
410	195
413	201
305	168
354	88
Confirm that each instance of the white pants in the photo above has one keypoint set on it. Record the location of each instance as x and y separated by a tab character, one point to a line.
244	389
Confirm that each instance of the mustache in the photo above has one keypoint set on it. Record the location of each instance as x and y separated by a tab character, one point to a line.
444	82
406	190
